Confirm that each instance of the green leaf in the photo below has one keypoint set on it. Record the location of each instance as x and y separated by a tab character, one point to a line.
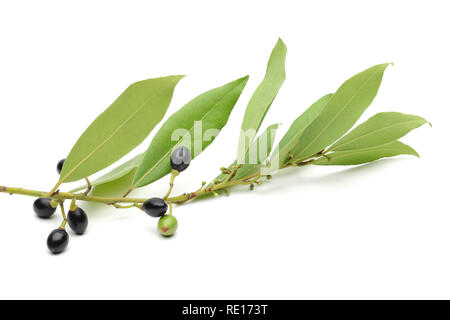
116	187
341	112
255	156
120	128
117	173
290	141
263	97
380	129
191	127
358	156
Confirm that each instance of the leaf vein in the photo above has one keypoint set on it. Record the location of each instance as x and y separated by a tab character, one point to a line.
371	132
337	115
105	141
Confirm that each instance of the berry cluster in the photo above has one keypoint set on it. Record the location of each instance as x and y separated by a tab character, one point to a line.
157	207
77	219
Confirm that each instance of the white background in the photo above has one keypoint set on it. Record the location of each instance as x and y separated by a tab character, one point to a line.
374	231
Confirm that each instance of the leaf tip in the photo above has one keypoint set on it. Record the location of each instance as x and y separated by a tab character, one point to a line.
280	42
244	79
274	126
385	65
179	77
414	153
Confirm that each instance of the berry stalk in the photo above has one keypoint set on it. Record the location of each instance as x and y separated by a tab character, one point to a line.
182	198
113	201
77	219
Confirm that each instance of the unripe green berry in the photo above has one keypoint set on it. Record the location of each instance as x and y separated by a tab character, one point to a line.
167	225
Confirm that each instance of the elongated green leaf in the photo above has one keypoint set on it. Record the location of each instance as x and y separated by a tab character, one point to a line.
290	141
190	126
255	156
120	128
117	173
114	188
341	112
380	129
358	156
262	98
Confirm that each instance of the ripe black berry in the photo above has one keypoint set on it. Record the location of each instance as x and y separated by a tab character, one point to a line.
155	207
43	207
180	159
60	165
57	241
78	220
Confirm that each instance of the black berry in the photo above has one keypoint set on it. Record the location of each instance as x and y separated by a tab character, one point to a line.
155	207
43	208
60	165
78	220
180	158
57	241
